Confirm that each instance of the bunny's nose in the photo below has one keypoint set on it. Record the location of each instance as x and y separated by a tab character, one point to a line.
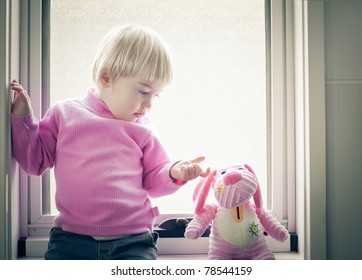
232	177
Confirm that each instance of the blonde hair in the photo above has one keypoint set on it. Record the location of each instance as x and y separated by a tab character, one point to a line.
133	50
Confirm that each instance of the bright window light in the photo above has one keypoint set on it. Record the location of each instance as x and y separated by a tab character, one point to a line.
216	105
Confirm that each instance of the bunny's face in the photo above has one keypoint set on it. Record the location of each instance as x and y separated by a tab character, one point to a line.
234	186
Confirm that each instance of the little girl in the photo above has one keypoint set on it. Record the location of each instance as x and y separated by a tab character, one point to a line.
107	161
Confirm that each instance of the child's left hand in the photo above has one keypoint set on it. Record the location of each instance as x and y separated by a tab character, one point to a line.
188	170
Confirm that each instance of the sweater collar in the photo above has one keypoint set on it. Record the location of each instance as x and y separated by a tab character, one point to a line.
92	101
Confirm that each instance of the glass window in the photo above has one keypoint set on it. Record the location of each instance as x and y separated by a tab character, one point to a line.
217	103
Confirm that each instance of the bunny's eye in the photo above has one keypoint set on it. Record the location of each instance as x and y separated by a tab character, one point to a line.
223	171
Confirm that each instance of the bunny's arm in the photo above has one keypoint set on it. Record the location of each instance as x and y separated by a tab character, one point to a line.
272	226
200	222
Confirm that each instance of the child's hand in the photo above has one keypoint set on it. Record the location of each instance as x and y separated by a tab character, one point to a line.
188	170
21	105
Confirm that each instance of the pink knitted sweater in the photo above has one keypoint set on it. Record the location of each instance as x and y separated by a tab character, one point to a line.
105	168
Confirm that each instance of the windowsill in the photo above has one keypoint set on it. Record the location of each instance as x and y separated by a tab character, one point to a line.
201	257
34	248
278	256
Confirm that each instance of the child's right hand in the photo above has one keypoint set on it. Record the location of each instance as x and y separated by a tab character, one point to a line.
20	101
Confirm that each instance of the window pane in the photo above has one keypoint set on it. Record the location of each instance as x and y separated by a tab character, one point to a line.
216	105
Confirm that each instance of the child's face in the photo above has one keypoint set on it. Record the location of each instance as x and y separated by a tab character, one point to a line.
130	98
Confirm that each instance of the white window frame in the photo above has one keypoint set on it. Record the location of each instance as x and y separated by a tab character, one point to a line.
281	130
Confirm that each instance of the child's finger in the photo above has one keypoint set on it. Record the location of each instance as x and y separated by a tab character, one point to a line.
198	159
17	88
205	173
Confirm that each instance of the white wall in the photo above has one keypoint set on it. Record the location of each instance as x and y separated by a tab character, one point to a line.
343	49
328	88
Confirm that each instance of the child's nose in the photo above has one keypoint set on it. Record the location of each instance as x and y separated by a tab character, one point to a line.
147	103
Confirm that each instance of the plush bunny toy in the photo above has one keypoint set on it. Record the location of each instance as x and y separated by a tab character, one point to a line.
238	226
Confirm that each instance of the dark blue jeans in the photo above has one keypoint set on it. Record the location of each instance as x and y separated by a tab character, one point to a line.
70	246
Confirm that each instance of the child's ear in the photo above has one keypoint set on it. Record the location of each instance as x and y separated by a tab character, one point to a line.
105	79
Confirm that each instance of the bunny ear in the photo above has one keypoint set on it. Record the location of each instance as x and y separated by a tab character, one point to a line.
201	192
258	200
197	189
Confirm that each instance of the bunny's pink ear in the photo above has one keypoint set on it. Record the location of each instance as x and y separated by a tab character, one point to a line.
201	192
258	200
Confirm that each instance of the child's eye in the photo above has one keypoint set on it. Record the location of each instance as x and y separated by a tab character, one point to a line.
143	92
